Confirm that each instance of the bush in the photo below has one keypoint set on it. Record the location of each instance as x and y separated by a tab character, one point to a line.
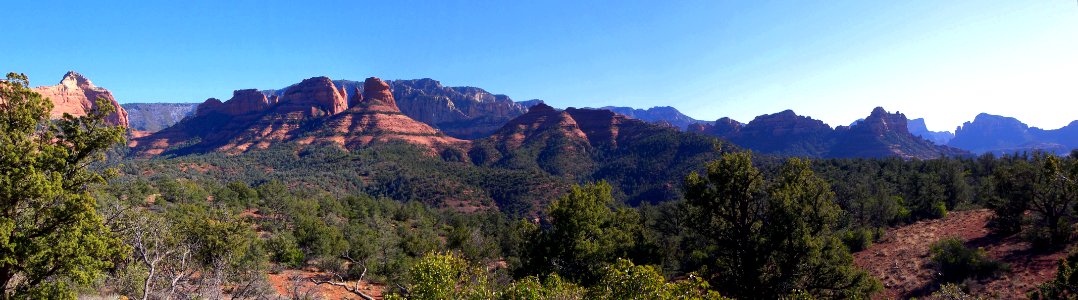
1064	285
950	291
285	251
858	239
956	262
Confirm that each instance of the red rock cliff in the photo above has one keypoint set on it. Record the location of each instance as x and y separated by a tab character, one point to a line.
75	95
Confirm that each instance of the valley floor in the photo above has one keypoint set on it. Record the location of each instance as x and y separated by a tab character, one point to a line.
902	262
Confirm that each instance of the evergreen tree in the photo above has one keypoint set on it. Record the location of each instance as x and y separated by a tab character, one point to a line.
50	232
585	234
768	242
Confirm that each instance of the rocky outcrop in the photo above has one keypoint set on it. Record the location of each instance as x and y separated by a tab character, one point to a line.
316	96
884	134
377	96
306	113
152	117
917	127
76	95
376	119
601	127
781	133
242	102
540	122
461	112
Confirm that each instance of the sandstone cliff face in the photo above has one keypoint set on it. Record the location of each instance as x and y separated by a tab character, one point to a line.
463	112
312	112
377	97
76	95
242	102
316	96
601	127
725	128
376	119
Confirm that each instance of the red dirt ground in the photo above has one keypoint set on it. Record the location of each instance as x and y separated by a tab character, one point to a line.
901	259
285	283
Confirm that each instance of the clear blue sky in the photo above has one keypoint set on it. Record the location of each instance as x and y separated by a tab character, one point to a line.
833	60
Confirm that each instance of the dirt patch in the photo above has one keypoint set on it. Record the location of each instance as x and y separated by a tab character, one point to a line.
290	283
902	263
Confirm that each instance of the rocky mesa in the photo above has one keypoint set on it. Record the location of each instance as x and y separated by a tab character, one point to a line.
314	111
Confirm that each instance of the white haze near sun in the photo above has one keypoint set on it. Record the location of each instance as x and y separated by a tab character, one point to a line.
1020	63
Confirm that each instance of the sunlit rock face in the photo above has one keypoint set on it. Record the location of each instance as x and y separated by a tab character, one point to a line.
76	95
315	111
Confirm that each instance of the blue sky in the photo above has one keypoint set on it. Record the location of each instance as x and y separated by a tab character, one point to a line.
945	61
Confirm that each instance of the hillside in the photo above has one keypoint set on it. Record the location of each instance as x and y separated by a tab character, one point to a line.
647	161
902	263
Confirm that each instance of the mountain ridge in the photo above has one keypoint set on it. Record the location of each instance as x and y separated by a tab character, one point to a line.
314	111
998	134
881	134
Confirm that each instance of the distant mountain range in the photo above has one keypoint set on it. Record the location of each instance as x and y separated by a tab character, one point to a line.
437	116
881	134
153	117
998	134
658	114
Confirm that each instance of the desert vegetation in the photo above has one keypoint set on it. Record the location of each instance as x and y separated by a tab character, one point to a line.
81	218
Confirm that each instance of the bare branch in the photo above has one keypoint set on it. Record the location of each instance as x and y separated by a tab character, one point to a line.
353	290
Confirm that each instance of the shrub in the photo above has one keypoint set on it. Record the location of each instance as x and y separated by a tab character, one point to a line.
858	239
285	251
1064	285
956	262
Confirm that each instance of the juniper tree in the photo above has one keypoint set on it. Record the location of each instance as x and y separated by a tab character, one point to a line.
50	232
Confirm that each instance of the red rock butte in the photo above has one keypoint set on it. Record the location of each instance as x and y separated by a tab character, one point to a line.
315	111
76	95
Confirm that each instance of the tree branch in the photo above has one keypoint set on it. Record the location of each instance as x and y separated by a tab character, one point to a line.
354	290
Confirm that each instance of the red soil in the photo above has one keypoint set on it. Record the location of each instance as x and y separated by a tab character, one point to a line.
902	263
291	283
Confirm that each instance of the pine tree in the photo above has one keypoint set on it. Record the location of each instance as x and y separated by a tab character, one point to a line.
768	241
